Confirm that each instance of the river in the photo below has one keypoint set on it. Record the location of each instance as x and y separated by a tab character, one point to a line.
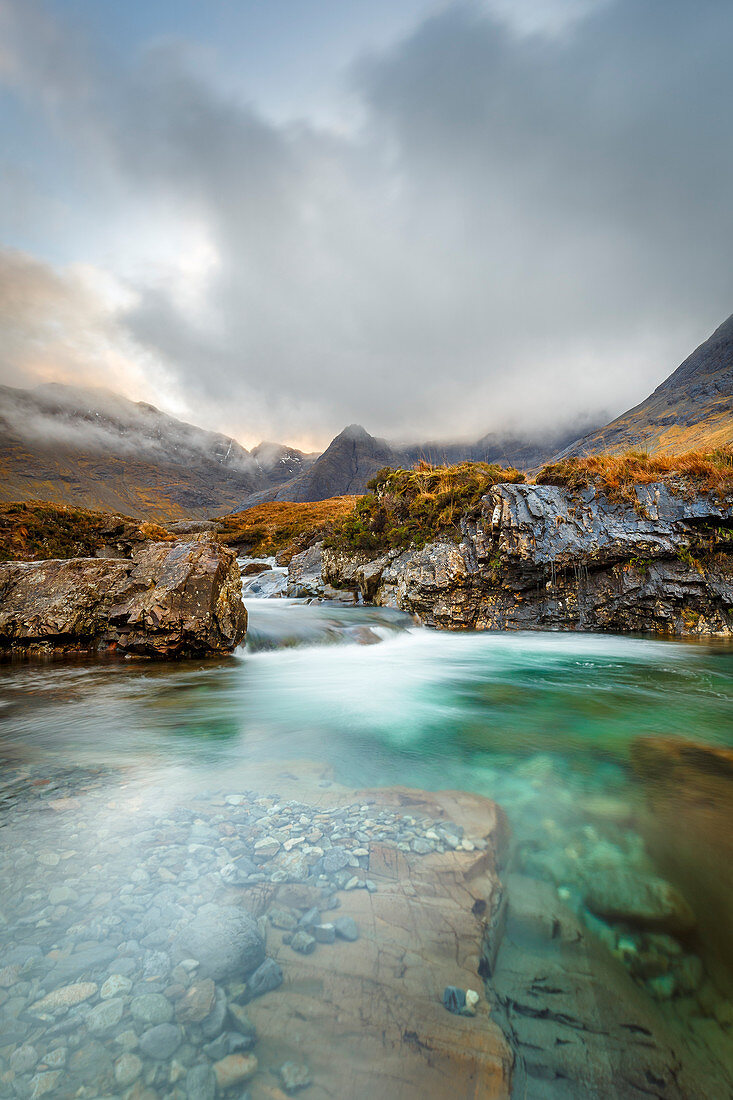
541	723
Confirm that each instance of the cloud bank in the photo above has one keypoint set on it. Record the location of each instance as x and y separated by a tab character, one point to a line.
523	227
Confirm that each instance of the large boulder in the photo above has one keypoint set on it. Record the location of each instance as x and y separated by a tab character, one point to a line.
224	939
172	600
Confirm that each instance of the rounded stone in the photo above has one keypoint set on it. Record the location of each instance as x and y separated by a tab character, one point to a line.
161	1042
150	1009
234	1068
201	1083
346	928
225	940
117	985
105	1016
128	1068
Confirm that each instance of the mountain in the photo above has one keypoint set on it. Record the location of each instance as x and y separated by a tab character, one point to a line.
97	449
691	409
343	469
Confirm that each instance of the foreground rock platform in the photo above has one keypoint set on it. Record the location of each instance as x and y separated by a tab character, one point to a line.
180	599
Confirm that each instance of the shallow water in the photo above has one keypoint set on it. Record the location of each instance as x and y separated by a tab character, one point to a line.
541	723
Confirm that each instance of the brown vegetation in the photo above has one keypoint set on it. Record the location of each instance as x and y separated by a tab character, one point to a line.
409	508
617	475
283	527
35	530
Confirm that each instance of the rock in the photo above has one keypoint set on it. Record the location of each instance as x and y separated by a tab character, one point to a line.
66	997
88	960
234	1069
105	1016
161	1041
62	895
213	1024
291	867
43	1083
552	556
346	928
23	1059
643	900
687	824
201	1083
197	1002
174	600
267	976
224	939
117	985
454	999
282	918
149	1009
294	1076
335	859
303	943
252	568
266	847
128	1068
324	933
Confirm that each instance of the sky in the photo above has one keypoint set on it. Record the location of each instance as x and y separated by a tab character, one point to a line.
274	218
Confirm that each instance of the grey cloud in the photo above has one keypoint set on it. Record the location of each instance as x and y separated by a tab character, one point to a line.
525	229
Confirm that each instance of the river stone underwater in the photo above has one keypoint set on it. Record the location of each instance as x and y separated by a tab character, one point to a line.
540	723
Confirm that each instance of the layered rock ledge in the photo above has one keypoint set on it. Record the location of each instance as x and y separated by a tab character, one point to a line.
549	557
180	599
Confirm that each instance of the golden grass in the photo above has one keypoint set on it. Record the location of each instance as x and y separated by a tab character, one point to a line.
409	508
283	527
34	530
617	475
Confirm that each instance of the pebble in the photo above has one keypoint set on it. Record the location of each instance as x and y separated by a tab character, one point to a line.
66	997
324	933
150	1009
201	1083
303	943
161	1041
23	1059
234	1068
197	1002
117	985
267	847
294	1076
346	928
128	1068
267	976
105	1016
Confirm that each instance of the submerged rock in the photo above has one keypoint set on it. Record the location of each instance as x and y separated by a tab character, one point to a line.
224	939
173	600
644	900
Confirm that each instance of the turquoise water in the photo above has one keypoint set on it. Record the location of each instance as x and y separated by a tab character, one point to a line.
541	723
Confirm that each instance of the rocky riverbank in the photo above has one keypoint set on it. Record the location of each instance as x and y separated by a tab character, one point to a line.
547	556
170	599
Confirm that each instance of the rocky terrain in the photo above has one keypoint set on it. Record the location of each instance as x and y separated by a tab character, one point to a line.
659	559
693	408
299	935
172	599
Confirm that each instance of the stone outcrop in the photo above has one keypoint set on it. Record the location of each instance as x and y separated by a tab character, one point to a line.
548	557
687	821
171	600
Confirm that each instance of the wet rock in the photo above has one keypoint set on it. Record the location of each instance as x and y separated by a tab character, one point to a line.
294	1076
267	976
224	939
117	985
234	1069
23	1059
105	1016
346	928
41	1084
335	859
66	997
647	901
92	1065
454	999
180	599
282	918
88	960
201	1083
213	1024
62	895
303	943
128	1068
266	847
161	1042
324	933
150	1009
197	1002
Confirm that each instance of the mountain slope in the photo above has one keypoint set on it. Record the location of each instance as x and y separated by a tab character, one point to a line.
691	409
98	450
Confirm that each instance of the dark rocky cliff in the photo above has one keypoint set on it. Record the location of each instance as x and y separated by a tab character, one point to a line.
550	557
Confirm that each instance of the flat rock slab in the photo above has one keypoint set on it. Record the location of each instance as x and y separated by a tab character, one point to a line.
173	600
366	1017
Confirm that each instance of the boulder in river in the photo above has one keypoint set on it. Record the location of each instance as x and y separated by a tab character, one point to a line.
179	599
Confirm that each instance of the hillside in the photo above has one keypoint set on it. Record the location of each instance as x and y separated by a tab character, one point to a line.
95	449
690	410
